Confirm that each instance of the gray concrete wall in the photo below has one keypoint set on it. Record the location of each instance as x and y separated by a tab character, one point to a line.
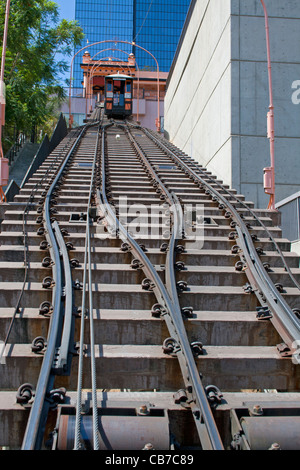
217	98
197	104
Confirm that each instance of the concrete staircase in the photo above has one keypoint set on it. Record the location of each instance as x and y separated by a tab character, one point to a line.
23	161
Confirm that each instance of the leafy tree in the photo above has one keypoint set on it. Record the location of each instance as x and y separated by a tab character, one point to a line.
34	89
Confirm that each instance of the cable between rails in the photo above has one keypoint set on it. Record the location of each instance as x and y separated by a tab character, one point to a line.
25	245
33	433
285	321
87	283
173	318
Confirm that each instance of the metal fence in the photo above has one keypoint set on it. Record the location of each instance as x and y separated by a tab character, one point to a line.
290	217
14	150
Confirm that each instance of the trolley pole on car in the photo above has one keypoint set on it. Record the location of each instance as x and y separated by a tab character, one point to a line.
269	172
4	170
93	71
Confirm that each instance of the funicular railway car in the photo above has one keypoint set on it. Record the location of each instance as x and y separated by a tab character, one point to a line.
118	95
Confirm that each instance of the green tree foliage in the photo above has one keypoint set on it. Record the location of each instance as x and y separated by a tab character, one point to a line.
36	38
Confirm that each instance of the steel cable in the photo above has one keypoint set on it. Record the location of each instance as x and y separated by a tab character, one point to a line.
92	346
25	245
77	440
87	270
239	201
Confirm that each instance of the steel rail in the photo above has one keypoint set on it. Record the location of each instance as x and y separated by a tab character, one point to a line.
247	208
176	211
87	272
202	411
78	414
25	244
252	213
33	433
198	400
63	352
283	317
175	237
147	163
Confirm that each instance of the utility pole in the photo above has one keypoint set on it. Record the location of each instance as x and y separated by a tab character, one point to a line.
269	173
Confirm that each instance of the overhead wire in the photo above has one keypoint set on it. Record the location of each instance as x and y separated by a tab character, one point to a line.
144	21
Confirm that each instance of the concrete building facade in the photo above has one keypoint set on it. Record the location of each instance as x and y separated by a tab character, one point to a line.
218	96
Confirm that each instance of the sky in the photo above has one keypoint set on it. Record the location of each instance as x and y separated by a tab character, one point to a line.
67	11
66	8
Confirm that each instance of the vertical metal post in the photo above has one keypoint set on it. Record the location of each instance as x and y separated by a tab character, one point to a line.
269	179
157	121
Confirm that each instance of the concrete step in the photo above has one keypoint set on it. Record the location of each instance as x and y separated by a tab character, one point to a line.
64	197
137	327
107	295
114	255
17	225
133	192
123	273
138	216
231	368
74	184
224	298
78	239
228	276
102	273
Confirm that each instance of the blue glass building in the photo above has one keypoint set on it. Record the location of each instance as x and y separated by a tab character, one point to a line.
155	25
157	28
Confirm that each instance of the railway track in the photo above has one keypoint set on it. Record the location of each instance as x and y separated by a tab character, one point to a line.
144	304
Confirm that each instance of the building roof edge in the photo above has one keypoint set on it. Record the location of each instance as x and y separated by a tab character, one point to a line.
181	39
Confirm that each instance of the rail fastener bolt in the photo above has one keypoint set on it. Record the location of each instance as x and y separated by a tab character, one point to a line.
143	410
256	411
